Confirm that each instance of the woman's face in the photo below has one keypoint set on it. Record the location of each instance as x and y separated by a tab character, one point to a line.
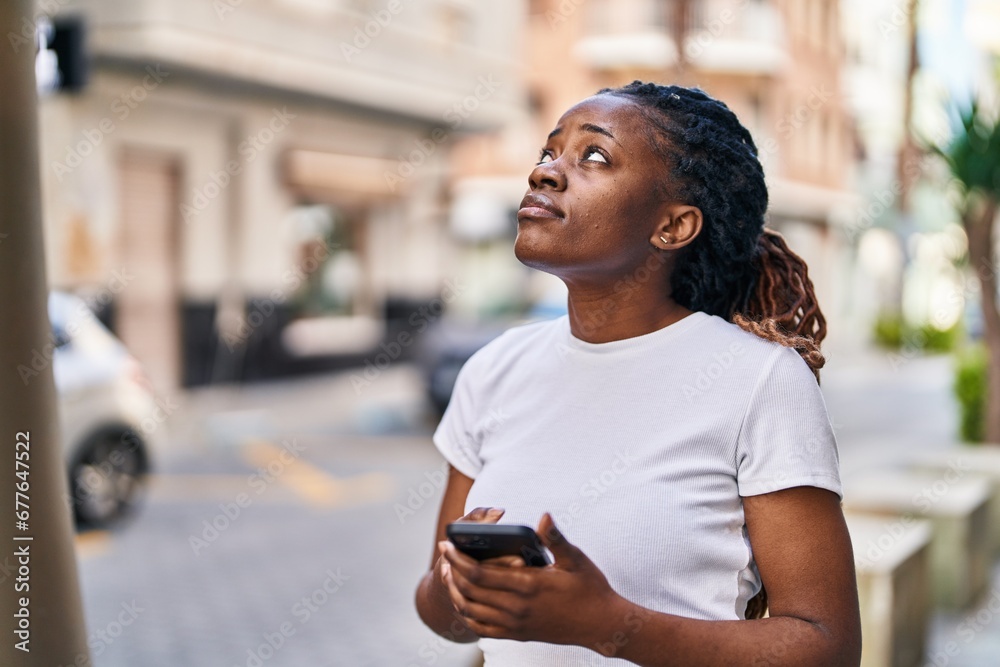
592	207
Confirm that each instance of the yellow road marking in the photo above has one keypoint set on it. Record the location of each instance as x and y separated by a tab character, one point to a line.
92	543
195	487
313	484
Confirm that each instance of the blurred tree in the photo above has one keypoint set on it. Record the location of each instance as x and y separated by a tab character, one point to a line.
974	159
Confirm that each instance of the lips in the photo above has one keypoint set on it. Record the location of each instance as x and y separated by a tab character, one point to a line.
538	206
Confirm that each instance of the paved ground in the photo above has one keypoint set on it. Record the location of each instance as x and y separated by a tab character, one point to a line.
308	563
271	534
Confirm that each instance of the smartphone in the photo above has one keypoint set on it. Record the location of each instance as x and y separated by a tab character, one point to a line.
490	540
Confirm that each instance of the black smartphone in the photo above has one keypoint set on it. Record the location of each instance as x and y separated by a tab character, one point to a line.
490	540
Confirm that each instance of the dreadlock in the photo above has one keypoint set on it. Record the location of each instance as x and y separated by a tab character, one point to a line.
735	268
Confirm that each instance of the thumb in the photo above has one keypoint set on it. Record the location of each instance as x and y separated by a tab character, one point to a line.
553	538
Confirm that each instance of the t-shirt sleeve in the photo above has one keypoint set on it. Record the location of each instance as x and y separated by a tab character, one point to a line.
787	439
455	436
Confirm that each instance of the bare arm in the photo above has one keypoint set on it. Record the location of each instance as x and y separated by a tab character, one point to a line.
804	556
432	600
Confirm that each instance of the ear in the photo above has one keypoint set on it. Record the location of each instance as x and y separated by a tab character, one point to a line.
679	226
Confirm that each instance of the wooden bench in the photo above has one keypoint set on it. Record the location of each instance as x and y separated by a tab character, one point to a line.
892	559
958	508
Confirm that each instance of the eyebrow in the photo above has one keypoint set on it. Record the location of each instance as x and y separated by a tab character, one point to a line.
589	127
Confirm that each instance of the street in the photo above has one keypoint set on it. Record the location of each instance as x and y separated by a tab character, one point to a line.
288	523
286	546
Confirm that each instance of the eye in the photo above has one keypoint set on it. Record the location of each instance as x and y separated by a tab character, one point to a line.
546	153
593	152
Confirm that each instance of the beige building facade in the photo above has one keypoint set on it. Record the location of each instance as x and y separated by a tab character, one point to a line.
776	63
248	186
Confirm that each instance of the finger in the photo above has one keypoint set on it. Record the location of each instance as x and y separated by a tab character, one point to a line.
483	630
552	537
484	515
497	577
474	610
511	602
504	561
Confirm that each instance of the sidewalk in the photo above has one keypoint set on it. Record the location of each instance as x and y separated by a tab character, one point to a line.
885	409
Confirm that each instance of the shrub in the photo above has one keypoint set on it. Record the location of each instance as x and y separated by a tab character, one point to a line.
970	391
891	331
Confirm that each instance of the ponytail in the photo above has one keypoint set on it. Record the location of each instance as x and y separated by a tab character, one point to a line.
736	268
783	309
783	306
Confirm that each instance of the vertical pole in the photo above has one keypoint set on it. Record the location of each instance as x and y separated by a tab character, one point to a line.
41	609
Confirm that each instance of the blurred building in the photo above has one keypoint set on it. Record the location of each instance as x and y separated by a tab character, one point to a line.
249	187
776	63
907	258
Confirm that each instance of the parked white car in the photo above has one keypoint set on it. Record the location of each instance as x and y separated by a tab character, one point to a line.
107	413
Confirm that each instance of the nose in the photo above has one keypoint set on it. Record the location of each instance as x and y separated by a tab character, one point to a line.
548	174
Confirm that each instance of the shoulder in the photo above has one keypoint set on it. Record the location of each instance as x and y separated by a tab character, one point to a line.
514	344
757	355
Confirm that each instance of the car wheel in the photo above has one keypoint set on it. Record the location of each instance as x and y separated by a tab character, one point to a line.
106	478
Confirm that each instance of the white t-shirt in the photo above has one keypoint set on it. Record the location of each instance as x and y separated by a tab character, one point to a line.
640	449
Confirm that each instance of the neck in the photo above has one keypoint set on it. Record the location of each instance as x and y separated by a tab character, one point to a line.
601	315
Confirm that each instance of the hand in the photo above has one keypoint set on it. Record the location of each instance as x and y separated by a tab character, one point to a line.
563	603
478	515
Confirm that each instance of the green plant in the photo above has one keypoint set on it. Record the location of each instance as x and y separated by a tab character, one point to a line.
973	157
888	330
892	332
940	340
970	391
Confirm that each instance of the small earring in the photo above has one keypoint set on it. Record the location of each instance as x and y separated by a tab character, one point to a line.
664	240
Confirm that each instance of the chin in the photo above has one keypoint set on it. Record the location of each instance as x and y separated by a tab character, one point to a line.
537	255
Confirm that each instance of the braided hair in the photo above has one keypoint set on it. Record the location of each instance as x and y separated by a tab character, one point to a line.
735	268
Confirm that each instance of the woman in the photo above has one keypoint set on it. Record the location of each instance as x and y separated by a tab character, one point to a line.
669	431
